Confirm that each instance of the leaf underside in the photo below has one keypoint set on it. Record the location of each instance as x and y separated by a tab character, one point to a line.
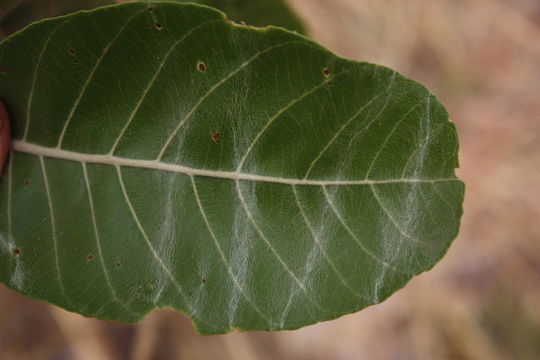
165	157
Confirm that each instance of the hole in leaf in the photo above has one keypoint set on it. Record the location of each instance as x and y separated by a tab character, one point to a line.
201	66
159	26
216	137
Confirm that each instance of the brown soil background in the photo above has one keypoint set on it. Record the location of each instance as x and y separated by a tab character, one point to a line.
482	301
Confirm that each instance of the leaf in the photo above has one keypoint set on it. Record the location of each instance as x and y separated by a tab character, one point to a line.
166	157
16	14
257	12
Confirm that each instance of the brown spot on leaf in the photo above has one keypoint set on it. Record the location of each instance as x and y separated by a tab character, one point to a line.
26	182
16	251
159	26
201	66
71	52
90	257
326	72
216	137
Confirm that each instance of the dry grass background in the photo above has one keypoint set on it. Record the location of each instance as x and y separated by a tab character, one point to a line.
482	301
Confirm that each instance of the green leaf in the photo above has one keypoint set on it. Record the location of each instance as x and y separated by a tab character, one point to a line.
166	157
16	14
257	12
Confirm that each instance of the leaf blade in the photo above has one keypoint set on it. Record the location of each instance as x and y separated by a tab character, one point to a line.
323	171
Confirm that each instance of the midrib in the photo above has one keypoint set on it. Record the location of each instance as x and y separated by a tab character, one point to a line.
38	150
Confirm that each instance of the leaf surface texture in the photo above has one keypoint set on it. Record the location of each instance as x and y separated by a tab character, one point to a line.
166	157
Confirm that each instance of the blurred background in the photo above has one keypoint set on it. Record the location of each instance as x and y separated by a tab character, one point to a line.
482	301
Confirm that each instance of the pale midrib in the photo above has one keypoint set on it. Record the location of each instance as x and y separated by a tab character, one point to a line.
38	150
